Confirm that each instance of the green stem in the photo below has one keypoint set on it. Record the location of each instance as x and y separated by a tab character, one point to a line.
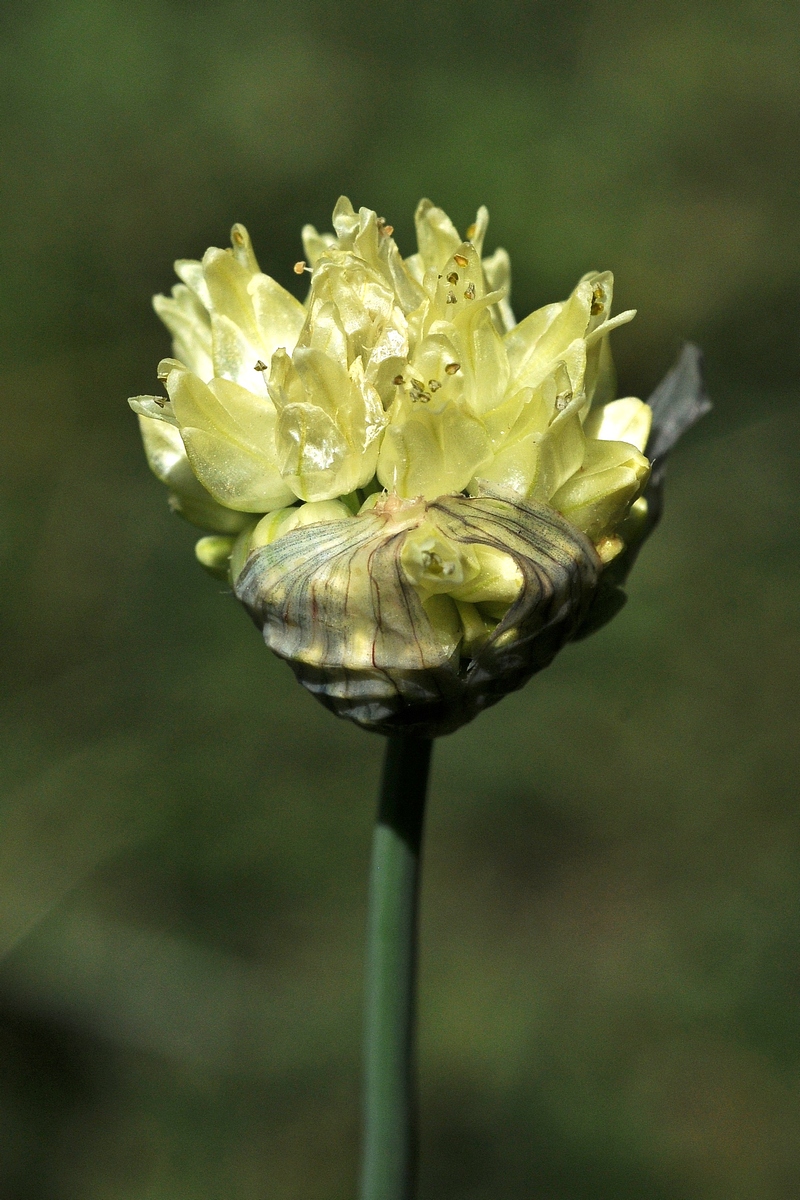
390	1142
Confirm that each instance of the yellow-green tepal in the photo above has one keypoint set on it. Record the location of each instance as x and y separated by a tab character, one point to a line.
418	499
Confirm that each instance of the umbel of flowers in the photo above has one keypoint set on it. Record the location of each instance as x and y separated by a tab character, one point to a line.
417	498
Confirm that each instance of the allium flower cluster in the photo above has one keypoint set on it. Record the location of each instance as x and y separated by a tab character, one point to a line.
414	495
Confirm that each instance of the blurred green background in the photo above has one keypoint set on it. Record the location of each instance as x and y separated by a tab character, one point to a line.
610	983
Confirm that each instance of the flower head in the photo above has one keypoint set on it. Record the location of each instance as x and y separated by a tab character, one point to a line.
418	499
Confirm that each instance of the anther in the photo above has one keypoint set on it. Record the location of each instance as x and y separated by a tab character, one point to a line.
459	258
299	267
469	291
434	385
451	297
473	229
598	301
562	400
451	368
452	277
398	381
260	366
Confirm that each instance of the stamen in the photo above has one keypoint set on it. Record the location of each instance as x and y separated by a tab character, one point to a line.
433	562
451	298
469	291
300	267
260	366
459	258
451	368
434	385
598	300
473	229
417	391
452	277
398	381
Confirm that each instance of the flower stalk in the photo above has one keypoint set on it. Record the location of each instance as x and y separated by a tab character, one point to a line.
389	1113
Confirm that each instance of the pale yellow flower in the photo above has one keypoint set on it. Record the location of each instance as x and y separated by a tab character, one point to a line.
415	495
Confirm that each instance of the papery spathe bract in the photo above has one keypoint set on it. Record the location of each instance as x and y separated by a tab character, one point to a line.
367	610
418	498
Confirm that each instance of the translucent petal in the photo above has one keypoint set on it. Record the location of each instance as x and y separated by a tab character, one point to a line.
229	436
602	284
279	316
285	385
603	330
597	497
227	282
242	249
545	445
483	358
222	406
477	230
626	420
601	376
324	331
523	340
428	373
362	296
167	459
437	236
345	222
561	453
315	244
388	356
497	272
404	279
190	271
459	283
164	449
366	243
531	350
154	407
316	460
326	383
502	420
234	355
371	415
236	475
431	454
188	322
